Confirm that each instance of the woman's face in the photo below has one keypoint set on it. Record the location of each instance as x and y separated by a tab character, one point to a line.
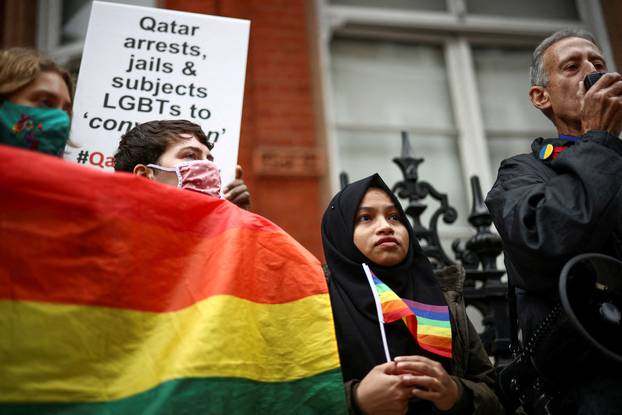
378	232
48	90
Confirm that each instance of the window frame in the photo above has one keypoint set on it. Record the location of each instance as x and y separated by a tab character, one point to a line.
457	31
50	30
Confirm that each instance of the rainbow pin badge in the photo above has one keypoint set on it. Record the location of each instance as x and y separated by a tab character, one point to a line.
546	151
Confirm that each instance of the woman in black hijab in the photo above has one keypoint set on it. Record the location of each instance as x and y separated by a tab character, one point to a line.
365	223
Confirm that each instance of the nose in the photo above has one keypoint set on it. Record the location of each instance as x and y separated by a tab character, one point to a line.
384	227
589	68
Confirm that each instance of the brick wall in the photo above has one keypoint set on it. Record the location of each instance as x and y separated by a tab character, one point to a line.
278	108
612	12
17	18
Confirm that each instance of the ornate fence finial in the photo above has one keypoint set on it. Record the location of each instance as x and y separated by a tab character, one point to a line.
343	180
479	257
415	191
484	247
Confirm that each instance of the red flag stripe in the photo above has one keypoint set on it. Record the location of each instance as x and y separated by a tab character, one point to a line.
64	186
76	249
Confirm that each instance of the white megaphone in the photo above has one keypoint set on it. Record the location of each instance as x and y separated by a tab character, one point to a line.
590	289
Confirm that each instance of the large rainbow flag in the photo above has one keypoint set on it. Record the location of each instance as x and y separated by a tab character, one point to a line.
123	296
429	324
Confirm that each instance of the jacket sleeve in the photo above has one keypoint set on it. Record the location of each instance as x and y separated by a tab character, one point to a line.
472	369
479	378
564	210
350	388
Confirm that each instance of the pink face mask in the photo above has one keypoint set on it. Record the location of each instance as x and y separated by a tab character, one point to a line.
198	175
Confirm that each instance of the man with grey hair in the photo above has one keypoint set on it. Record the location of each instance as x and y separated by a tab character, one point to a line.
563	199
537	75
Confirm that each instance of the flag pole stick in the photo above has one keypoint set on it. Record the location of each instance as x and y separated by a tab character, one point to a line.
368	274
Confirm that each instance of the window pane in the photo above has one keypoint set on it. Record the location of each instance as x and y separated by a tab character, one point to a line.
381	87
75	20
502	77
365	153
75	17
427	5
393	84
510	121
538	9
501	148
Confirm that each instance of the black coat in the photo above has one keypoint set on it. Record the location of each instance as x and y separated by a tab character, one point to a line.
548	211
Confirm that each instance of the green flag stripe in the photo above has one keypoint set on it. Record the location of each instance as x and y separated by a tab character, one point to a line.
430	322
323	393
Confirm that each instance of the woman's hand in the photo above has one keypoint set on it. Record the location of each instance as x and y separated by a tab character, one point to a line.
429	379
382	391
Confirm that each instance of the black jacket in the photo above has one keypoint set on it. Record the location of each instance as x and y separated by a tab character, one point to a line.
547	211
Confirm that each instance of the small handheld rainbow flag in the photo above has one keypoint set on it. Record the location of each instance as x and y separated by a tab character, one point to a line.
429	324
431	327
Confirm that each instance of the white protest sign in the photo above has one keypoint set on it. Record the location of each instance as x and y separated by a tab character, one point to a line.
141	64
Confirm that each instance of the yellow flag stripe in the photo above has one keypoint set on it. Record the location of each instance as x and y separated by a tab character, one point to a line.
64	353
434	331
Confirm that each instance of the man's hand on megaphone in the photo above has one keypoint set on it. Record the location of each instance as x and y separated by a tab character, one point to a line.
602	104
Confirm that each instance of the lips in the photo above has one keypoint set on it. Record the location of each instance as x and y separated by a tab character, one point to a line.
387	240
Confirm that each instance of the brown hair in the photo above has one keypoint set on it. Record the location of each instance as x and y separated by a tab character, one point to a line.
145	143
20	66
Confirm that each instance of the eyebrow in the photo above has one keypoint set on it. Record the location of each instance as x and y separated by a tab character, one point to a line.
192	148
196	149
42	92
577	55
571	57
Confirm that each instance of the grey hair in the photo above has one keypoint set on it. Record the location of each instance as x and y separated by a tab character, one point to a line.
537	76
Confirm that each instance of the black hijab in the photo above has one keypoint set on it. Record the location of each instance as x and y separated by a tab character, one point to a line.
356	320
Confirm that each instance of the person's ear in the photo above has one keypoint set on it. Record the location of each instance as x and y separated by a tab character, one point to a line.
539	97
144	171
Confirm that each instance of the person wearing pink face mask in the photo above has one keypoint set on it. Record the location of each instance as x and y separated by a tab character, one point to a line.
177	153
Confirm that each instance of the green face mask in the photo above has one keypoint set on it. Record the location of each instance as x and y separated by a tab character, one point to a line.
41	129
